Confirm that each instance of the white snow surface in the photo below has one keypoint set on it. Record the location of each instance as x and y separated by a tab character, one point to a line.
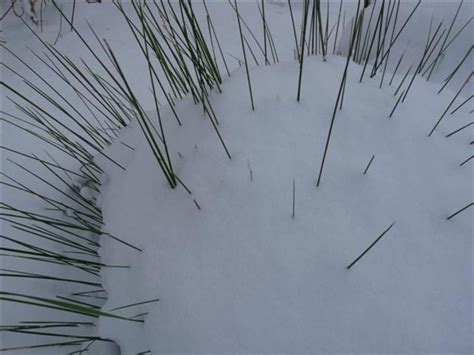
242	276
411	296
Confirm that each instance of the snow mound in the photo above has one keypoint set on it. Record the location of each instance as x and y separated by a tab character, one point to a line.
240	274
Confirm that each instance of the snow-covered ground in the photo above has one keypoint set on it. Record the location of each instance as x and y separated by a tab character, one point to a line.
240	275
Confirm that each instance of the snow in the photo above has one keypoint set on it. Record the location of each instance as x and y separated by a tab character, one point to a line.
240	275
20	40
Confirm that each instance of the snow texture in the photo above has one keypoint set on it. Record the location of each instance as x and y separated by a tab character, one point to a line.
241	275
